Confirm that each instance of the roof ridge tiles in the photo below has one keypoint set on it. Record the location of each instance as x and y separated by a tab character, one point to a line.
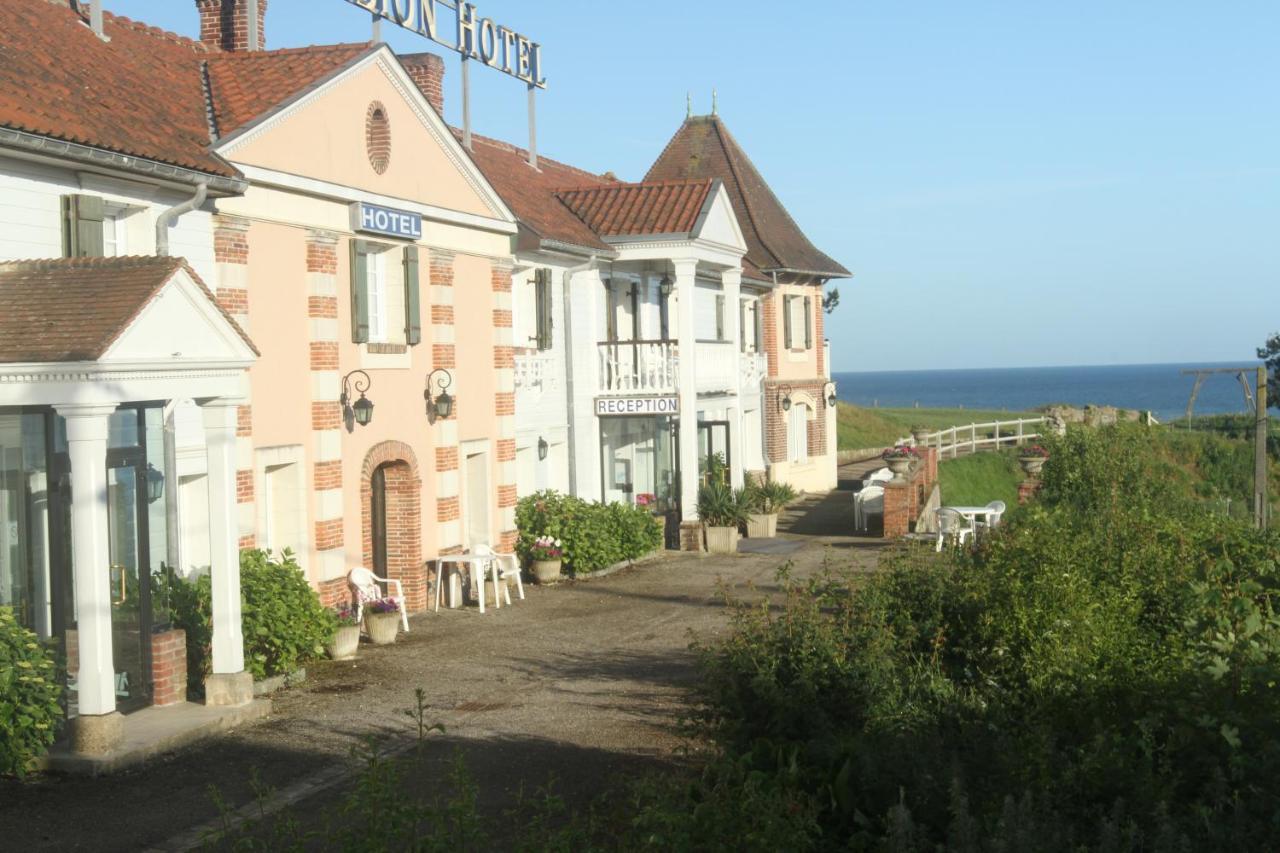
510	147
336	47
125	261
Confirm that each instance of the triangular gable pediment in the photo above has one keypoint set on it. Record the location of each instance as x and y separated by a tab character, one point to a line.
180	325
321	135
718	224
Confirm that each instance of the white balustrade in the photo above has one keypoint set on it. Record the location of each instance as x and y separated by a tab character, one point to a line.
717	365
638	367
754	366
537	372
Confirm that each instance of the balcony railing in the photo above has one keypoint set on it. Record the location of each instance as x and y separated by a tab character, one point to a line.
638	367
754	368
536	372
716	366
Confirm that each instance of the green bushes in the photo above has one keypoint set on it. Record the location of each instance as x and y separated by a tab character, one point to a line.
283	622
29	695
1101	674
593	535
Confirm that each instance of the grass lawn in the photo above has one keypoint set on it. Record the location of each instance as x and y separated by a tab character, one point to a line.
979	479
858	427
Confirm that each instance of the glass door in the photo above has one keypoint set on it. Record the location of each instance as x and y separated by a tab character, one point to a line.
129	578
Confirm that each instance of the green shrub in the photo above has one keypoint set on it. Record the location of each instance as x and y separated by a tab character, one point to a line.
191	608
768	496
592	535
720	505
30	692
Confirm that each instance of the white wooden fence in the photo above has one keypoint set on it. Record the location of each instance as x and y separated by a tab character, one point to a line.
989	436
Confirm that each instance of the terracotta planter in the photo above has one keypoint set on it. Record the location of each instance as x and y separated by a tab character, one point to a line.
382	627
899	465
546	571
345	642
762	525
1032	464
722	540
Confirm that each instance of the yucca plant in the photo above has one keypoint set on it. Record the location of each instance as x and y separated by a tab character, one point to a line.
719	505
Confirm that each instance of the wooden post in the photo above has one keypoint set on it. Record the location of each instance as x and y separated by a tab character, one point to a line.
973	438
1020	440
997	437
1260	506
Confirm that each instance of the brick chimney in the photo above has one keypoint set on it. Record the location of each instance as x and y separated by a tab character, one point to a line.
225	24
427	71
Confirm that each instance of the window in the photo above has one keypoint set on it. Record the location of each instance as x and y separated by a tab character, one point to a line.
798	320
798	432
115	240
385	307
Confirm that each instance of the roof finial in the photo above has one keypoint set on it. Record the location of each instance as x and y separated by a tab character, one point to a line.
713	101
688	105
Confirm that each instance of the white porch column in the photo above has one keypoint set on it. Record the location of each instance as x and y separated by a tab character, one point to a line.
99	727
731	281
688	439
229	684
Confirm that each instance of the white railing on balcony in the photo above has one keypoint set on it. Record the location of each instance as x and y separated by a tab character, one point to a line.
638	367
537	372
716	366
754	368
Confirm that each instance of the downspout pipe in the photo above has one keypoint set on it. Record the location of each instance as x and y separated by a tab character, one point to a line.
166	219
568	367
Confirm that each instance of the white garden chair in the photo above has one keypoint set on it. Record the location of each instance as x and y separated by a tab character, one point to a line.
995	511
501	567
365	583
952	524
866	503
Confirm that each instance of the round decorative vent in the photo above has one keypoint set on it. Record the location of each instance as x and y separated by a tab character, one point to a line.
377	137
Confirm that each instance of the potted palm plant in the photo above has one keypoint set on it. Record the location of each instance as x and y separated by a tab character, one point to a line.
382	620
721	509
546	556
346	637
764	502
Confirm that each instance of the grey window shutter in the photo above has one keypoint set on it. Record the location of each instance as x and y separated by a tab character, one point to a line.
758	327
82	226
719	316
542	300
742	326
359	294
412	301
786	322
808	322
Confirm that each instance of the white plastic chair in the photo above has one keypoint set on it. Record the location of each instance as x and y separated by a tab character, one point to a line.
952	523
995	511
868	502
502	566
365	583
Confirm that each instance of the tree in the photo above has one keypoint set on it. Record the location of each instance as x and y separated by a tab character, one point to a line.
831	300
1270	354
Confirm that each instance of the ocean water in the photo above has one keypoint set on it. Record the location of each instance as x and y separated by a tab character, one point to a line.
1159	388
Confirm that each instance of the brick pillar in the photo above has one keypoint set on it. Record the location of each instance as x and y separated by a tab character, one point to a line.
897	508
448	509
231	259
427	72
1027	489
169	667
820	350
504	404
329	571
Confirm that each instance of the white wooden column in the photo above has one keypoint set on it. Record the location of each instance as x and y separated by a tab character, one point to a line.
685	275
731	281
224	551
87	448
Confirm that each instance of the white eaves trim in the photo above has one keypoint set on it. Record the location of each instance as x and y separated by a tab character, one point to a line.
339	192
386	61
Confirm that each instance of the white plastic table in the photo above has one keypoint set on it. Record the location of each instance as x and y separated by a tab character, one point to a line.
971	513
477	562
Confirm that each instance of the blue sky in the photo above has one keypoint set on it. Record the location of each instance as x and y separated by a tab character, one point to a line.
1012	183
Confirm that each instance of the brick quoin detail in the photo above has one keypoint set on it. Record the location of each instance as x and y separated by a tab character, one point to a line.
403	487
324	355
169	667
442	268
230	241
819	338
506	496
246	542
334	592
447	458
769	306
504	403
328	475
322	307
504	356
328	534
502	318
448	509
244	421
500	276
507	541
322	254
442	315
506	450
442	355
244	486
326	415
233	300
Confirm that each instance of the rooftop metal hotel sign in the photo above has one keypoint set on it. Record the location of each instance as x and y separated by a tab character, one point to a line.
474	37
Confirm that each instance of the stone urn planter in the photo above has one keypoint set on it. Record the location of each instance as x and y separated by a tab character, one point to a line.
1032	464
382	627
722	540
345	642
919	433
546	571
899	465
762	525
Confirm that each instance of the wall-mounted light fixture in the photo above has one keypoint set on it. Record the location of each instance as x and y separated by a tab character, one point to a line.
830	390
439	404
360	411
664	285
543	448
785	393
155	484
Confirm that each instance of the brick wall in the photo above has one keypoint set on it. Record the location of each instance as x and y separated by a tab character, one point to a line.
403	490
225	24
427	72
775	419
906	498
169	667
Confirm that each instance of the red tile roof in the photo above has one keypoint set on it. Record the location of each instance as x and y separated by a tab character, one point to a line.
623	210
530	193
703	148
73	309
245	86
139	93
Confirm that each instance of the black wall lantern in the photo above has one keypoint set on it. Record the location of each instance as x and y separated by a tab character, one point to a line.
440	404
785	392
155	484
361	411
543	448
830	388
664	285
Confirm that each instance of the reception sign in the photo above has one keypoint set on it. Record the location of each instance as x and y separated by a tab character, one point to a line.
607	406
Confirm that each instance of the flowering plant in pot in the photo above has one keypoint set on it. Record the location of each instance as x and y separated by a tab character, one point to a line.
900	459
546	555
1032	459
382	620
346	635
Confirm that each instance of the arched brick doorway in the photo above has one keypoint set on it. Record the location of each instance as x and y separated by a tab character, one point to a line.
391	518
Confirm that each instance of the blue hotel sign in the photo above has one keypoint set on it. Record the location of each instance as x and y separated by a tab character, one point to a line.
375	219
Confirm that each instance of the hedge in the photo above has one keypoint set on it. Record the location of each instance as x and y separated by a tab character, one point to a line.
593	535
